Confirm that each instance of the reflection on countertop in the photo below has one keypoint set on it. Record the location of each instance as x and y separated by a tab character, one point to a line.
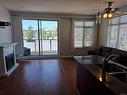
116	82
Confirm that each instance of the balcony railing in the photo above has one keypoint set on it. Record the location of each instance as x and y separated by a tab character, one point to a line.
47	46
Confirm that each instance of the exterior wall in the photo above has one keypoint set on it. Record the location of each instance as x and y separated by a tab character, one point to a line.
5	34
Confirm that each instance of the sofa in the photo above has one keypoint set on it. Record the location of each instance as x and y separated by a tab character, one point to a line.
103	51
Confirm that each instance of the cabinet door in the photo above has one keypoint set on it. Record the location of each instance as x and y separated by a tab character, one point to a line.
87	84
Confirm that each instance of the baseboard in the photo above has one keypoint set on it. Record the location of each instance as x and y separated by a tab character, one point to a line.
65	56
42	57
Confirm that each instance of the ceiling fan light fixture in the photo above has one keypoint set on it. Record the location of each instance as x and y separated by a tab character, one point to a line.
99	15
107	15
108	12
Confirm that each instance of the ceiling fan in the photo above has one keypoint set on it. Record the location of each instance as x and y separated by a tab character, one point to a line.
108	12
110	8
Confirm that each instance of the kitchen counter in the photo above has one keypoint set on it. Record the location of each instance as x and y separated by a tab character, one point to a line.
90	63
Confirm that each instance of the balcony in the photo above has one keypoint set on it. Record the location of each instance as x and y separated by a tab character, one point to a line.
45	47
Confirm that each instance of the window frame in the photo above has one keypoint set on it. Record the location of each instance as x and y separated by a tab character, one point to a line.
118	34
84	29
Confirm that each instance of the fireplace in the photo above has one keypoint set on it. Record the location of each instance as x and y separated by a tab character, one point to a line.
10	61
7	59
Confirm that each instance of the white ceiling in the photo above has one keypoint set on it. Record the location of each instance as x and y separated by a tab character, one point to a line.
60	6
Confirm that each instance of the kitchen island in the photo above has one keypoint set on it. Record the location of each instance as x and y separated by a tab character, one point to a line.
89	77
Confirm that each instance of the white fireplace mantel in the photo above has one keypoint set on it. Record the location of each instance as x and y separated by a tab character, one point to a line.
7	49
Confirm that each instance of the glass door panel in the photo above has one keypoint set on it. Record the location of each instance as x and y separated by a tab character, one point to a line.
49	37
30	36
40	36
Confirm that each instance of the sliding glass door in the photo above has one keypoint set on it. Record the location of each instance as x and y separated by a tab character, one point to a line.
30	36
48	37
40	36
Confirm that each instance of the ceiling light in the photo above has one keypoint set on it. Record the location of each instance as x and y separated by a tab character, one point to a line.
108	12
107	15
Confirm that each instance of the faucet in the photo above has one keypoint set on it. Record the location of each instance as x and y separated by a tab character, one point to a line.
104	65
111	56
104	62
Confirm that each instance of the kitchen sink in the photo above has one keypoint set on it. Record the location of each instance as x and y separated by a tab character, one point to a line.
121	76
112	68
115	71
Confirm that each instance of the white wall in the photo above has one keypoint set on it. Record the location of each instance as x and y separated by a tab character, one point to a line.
103	33
5	34
65	37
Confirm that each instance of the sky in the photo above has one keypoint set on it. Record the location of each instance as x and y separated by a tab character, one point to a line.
34	24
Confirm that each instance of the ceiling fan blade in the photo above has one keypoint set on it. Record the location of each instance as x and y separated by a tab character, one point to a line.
114	9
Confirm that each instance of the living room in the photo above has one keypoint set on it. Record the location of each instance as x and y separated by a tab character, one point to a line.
42	38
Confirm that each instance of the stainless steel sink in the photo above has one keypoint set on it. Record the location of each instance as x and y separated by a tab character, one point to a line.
121	76
111	68
115	71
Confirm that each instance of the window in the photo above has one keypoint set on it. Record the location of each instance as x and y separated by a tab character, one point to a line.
123	37
78	34
83	33
118	32
88	37
113	36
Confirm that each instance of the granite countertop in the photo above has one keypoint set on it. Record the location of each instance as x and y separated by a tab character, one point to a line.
91	64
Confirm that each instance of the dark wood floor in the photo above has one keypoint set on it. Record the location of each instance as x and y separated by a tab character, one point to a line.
41	77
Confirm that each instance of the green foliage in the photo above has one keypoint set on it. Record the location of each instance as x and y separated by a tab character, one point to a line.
49	34
28	34
44	34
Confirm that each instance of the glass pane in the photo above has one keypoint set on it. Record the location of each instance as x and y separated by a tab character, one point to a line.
113	36
123	37
89	23
45	46
49	37
88	35
30	36
54	45
123	19
78	23
78	37
115	20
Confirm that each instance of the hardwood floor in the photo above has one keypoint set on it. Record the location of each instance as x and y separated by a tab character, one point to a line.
41	77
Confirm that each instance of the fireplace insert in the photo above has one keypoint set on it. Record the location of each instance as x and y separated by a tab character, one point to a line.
10	62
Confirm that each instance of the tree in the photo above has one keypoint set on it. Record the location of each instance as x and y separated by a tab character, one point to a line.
28	34
49	34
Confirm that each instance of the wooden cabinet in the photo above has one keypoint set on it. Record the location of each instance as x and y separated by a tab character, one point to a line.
87	84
